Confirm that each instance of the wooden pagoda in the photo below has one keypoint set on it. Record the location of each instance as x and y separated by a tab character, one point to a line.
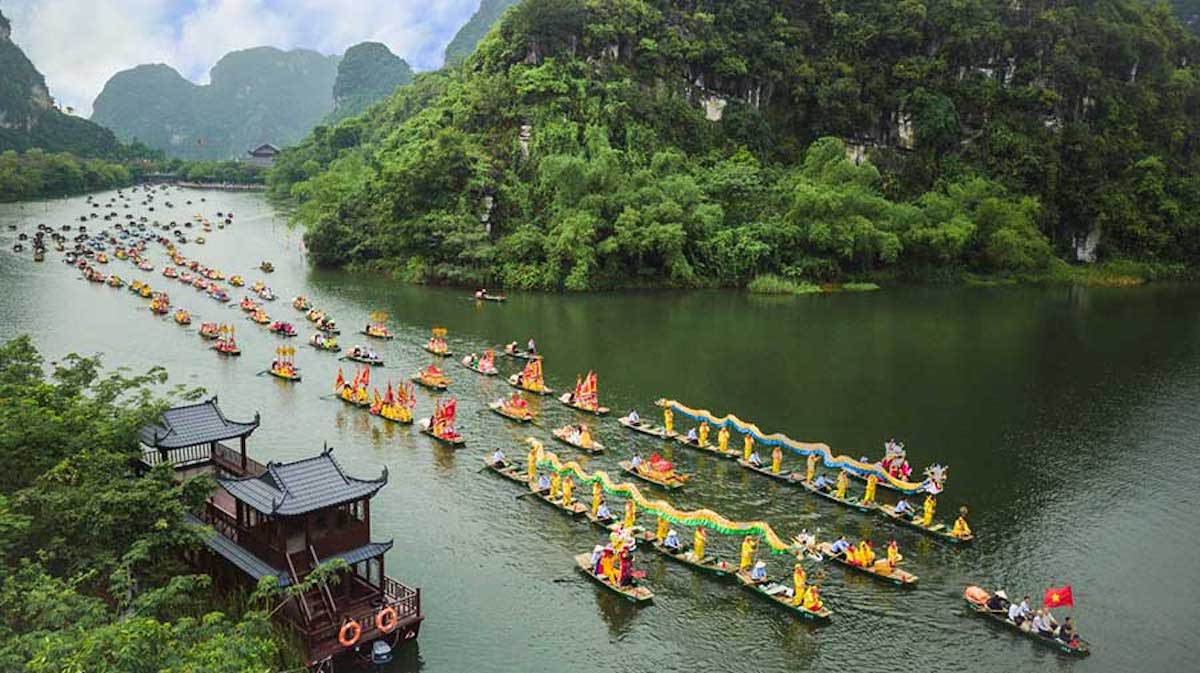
283	519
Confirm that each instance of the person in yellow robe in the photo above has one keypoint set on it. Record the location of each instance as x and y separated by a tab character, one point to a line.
723	439
749	546
698	541
842	482
531	466
869	494
893	554
810	468
812	599
608	568
630	515
555	485
668	420
798	579
597	497
568	489
865	556
747	447
961	529
660	531
776	460
930	507
703	433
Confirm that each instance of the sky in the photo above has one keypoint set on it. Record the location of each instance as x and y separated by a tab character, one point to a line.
79	44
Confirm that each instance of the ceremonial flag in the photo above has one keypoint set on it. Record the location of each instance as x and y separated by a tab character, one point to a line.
1058	597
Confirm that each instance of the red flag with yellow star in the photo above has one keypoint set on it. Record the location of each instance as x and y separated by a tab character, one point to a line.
1058	597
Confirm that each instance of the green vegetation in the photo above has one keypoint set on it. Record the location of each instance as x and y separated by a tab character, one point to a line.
467	37
91	575
255	96
769	284
999	138
367	73
37	174
234	172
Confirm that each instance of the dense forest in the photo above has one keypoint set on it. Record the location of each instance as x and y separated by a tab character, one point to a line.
598	143
35	174
91	573
367	73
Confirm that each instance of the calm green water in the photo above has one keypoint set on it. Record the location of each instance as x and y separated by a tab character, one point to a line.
1068	418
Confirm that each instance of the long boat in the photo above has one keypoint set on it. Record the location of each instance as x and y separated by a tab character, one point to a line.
599	411
544	390
455	441
844	502
774	592
708	564
672	484
787	477
895	575
708	447
373	361
508	470
563	435
376	335
1079	648
417	379
477	370
364	403
647	428
520	354
500	409
937	530
634	592
575	509
441	353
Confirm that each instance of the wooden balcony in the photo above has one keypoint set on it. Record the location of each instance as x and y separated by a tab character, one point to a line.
322	634
224	457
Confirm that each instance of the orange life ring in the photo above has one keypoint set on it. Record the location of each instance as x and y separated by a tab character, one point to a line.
387	619
349	633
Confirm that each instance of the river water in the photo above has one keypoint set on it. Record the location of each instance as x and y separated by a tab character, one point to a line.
1068	418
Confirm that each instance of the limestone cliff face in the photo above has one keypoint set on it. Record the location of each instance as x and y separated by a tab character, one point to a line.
368	72
23	93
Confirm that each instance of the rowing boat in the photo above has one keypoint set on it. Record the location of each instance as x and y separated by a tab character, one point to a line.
294	376
477	370
521	355
708	564
376	335
937	530
455	441
508	471
646	428
787	477
844	502
500	408
777	594
635	593
373	361
353	402
881	482
425	383
671	484
566	400
564	435
1078	648
543	390
575	509
495	297
443	353
894	575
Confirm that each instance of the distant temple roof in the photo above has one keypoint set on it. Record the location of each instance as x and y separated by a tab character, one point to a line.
264	150
289	489
194	424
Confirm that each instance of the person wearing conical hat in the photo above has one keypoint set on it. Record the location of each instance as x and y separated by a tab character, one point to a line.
758	574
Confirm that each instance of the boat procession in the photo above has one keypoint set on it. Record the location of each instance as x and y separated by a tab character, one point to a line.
624	481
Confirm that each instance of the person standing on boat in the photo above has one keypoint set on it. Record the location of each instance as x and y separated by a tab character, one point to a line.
893	554
798	579
699	539
594	561
869	494
776	460
626	568
531	464
812	599
668	420
842	482
723	439
747	446
555	485
702	440
749	546
810	468
568	489
630	515
930	507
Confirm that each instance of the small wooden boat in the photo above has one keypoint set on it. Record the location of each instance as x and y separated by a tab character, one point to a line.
937	530
347	396
674	483
376	334
358	355
429	383
455	441
543	390
266	267
894	575
511	414
1078	648
844	502
789	477
442	352
709	564
646	428
635	593
777	594
521	354
477	370
508	470
293	376
227	351
566	400
330	345
576	508
564	435
708	447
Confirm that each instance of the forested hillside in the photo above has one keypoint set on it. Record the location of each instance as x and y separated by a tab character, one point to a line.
367	73
256	95
467	37
595	143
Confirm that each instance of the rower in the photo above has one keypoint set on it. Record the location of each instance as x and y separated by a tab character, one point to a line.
498	459
759	573
633	417
823	484
636	461
532	347
754	459
839	545
905	508
1067	632
671	542
961	529
1040	625
997	602
603	513
597	552
693	437
543	483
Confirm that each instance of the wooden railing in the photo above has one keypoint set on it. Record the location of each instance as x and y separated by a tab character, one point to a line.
227	525
225	457
230	460
405	600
